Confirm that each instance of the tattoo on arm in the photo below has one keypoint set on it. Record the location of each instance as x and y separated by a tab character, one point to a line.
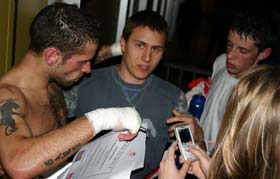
62	155
7	108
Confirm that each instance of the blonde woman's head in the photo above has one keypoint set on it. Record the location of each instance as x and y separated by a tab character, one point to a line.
248	143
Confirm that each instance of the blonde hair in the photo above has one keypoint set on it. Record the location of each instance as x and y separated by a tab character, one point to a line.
248	143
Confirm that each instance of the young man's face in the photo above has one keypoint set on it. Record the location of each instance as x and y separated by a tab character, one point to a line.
242	54
141	54
74	68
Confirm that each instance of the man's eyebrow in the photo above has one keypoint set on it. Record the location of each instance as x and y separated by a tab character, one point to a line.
153	46
140	41
158	46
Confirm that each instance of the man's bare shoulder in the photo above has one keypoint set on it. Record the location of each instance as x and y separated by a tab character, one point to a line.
13	110
10	93
8	89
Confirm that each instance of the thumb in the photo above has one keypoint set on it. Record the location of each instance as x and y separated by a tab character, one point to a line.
183	171
198	152
176	113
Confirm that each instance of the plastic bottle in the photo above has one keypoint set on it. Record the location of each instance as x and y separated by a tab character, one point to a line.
196	105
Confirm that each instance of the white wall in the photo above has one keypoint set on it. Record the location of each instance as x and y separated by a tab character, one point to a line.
78	2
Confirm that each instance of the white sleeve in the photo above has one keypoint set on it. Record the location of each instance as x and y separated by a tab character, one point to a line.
219	63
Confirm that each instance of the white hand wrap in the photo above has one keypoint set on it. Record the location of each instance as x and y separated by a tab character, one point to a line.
117	119
116	49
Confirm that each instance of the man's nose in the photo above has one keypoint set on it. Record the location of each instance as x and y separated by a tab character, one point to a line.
231	53
147	55
86	68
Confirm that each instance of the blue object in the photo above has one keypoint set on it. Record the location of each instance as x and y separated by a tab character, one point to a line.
196	106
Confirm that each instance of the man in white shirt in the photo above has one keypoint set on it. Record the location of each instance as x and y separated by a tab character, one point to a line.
250	40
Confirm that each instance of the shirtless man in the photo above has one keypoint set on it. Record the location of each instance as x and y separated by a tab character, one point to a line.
33	136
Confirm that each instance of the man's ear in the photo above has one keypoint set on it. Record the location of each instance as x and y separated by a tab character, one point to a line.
123	44
264	54
52	56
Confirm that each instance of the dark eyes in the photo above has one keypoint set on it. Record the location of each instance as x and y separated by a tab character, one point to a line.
156	49
230	46
140	45
153	49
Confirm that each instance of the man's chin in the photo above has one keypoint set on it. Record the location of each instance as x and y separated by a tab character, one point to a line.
230	70
66	84
144	76
234	74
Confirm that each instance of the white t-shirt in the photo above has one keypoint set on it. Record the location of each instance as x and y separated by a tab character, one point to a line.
221	86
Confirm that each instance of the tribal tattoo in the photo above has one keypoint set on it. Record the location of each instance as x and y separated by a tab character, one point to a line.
7	108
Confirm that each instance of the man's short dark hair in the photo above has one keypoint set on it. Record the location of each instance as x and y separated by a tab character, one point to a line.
145	18
252	23
63	26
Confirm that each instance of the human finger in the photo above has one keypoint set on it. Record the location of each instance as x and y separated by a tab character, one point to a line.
184	169
196	170
126	136
172	127
204	159
201	151
171	150
164	156
179	117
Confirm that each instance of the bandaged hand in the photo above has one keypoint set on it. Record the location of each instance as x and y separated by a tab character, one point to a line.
117	119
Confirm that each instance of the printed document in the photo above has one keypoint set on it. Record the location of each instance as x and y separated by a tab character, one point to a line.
107	158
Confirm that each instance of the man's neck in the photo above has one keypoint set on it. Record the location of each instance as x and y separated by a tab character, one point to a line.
31	73
125	76
241	74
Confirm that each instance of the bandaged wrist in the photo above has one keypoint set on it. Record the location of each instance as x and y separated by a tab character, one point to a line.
116	50
95	118
118	119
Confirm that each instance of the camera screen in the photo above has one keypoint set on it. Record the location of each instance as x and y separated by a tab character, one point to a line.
185	136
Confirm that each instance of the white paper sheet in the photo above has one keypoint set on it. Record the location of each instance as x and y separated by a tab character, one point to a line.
107	158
